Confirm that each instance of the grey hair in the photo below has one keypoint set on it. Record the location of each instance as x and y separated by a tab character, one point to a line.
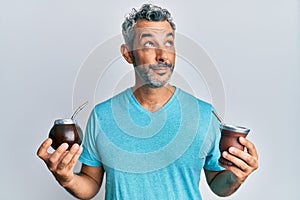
148	12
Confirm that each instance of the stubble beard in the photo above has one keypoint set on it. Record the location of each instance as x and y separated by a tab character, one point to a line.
152	79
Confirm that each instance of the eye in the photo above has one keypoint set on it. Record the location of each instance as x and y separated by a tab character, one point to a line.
149	44
169	44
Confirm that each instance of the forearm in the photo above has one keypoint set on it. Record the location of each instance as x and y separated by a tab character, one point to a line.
61	163
82	186
224	184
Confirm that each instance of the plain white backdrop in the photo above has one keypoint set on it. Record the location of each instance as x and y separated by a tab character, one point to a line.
254	44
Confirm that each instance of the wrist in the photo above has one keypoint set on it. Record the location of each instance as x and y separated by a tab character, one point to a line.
233	179
66	182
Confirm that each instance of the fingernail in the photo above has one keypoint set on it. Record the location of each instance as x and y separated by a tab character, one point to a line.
49	140
231	149
75	146
65	145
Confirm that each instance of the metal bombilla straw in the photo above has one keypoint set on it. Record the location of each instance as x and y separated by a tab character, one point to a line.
218	117
79	109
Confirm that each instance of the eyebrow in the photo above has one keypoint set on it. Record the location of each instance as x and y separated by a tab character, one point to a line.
151	35
170	34
146	35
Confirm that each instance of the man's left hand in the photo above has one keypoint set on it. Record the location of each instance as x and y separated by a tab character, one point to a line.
245	162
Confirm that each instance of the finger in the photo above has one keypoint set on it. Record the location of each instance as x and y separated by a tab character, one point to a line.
240	175
68	157
250	147
236	161
57	156
245	156
232	168
75	158
42	152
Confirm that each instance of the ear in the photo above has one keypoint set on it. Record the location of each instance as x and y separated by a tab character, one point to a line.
125	50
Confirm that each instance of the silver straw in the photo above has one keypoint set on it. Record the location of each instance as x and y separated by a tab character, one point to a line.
79	109
218	117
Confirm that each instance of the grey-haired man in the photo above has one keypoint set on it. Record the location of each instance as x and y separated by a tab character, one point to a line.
151	140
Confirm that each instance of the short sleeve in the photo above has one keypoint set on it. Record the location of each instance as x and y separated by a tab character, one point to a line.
89	156
212	158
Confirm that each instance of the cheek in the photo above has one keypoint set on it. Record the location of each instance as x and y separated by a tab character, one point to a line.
144	56
172	56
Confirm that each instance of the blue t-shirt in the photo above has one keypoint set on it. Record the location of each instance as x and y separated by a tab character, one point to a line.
156	155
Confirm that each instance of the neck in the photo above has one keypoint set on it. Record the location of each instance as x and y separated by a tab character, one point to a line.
153	99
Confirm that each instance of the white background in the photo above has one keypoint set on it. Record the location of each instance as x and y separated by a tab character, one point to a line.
255	45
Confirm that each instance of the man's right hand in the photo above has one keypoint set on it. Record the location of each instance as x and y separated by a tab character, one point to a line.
61	162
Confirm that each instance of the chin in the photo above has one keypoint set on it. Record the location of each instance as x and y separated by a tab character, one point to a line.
158	85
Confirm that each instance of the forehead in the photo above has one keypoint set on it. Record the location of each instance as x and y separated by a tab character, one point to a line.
157	27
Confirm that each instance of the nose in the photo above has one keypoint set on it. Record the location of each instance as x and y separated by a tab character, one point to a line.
161	55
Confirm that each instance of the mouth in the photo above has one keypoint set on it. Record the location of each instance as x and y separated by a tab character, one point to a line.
161	65
161	68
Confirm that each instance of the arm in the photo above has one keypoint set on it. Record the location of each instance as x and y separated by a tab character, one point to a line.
225	183
61	163
87	183
222	183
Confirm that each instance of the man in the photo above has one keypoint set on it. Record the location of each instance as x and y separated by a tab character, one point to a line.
151	140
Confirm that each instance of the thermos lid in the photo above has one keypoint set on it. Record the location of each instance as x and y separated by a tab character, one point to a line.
65	121
234	128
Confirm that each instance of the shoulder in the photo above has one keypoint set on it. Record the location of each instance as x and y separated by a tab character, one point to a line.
105	106
200	109
117	97
188	98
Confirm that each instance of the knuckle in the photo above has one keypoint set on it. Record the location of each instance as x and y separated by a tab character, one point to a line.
63	163
250	159
73	162
253	164
59	151
59	174
255	161
240	175
39	154
51	168
61	166
251	145
52	161
256	166
60	171
70	167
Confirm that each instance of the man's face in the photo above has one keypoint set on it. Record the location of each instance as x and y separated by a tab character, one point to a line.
153	52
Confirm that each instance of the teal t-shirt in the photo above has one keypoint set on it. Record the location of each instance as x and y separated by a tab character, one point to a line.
156	155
